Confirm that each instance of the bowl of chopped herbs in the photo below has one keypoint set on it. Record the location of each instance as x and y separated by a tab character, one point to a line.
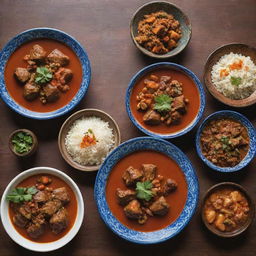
23	142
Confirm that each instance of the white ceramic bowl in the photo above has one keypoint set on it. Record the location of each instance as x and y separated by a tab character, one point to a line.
28	244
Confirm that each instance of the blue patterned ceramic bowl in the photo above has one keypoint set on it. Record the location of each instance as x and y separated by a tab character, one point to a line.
170	8
51	33
137	144
172	66
251	132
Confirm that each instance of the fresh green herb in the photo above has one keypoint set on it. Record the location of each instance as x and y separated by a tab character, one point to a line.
144	191
22	142
225	143
163	103
235	80
43	75
20	194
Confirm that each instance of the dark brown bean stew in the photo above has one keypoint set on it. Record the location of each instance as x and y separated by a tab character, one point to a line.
162	100
145	193
226	209
45	76
224	142
42	208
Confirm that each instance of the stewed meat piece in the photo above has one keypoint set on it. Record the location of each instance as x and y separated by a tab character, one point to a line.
159	207
51	93
31	91
125	196
59	221
61	194
152	117
149	171
179	104
25	211
20	220
41	196
169	186
132	175
64	75
21	74
56	56
133	210
37	53
35	230
50	207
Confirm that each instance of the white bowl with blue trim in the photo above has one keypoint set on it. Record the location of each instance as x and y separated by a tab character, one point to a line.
251	133
171	66
38	33
162	146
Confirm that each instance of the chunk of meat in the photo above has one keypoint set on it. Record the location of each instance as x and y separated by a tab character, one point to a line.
37	53
61	194
50	207
35	230
25	211
64	75
51	93
22	75
31	91
133	210
59	221
125	196
176	117
131	176
56	56
20	220
169	186
149	171
151	117
179	104
159	207
41	196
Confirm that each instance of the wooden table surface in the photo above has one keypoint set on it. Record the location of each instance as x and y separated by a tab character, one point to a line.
102	27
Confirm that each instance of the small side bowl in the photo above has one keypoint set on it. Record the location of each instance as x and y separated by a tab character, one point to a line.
34	145
251	207
66	127
213	58
251	132
170	9
28	244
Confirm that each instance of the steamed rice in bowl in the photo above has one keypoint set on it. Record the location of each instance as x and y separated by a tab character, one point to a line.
234	75
89	140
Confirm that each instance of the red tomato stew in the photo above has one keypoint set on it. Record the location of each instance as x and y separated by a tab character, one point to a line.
146	191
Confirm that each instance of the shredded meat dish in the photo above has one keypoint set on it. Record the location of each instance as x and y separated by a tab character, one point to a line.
226	209
45	76
224	142
162	100
158	32
146	193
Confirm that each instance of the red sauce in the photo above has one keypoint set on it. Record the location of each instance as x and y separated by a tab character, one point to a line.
71	207
190	92
16	90
167	168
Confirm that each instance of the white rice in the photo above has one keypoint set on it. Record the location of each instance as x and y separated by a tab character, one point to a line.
247	74
94	154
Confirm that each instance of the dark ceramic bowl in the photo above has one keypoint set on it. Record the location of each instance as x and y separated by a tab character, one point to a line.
214	58
251	132
34	145
250	216
170	9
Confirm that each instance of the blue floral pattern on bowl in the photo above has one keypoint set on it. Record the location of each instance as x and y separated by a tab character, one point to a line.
172	66
55	34
137	144
251	132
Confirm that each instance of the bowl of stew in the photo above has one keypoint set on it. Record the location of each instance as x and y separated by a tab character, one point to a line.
44	73
165	100
226	141
227	209
42	209
138	197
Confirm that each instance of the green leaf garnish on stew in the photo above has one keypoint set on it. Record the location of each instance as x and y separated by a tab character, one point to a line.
22	142
20	194
43	75
235	80
163	103
144	191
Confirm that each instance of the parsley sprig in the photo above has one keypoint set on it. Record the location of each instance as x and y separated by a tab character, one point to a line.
43	75
144	191
163	103
235	80
21	194
22	142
